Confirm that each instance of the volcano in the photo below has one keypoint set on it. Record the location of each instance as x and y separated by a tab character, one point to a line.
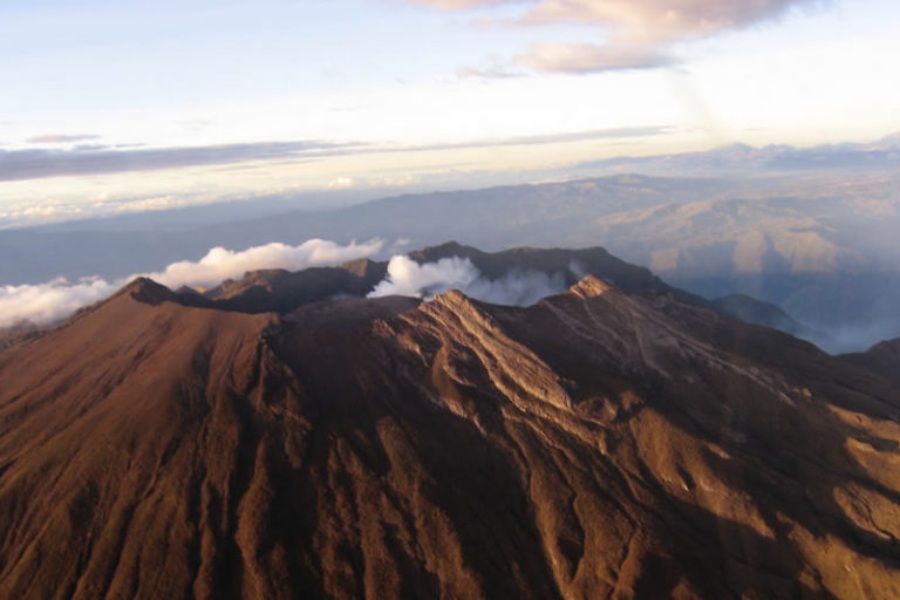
284	436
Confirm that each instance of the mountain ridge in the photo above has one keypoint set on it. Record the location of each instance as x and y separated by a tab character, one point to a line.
281	291
597	442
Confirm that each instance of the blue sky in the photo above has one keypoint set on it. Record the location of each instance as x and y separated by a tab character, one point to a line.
364	87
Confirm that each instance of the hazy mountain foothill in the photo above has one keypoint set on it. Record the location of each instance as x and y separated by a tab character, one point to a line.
290	435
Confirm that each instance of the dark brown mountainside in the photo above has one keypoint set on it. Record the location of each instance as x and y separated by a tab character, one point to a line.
277	290
597	444
574	263
882	358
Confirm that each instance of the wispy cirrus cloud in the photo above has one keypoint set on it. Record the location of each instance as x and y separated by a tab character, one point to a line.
36	163
637	34
588	58
492	72
613	133
62	138
21	164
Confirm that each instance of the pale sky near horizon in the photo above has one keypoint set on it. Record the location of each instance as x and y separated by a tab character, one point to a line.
286	94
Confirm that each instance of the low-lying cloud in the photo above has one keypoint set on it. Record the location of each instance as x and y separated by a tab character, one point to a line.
49	302
406	277
220	264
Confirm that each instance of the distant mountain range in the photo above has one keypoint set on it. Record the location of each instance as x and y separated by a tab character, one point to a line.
743	159
819	243
284	436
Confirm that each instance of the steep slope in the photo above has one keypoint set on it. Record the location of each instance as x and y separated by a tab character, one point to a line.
595	444
127	446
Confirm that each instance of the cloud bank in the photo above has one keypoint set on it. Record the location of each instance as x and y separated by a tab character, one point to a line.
406	277
637	32
46	303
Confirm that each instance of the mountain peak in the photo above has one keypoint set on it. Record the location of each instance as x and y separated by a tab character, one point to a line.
144	289
445	250
456	301
590	287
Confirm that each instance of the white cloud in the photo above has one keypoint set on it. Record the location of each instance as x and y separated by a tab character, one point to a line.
635	32
588	58
48	302
51	301
517	289
220	264
646	20
156	203
654	21
405	277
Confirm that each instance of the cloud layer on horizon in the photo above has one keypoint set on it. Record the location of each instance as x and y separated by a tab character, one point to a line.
46	303
18	164
35	163
637	32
